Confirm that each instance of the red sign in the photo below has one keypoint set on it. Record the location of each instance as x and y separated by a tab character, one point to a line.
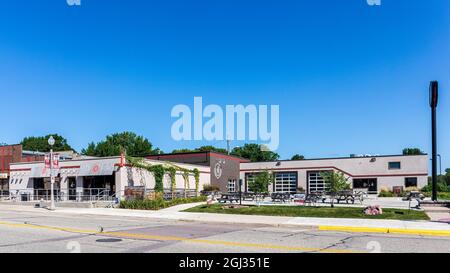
55	161
47	161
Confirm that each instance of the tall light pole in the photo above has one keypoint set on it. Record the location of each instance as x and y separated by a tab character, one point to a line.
51	142
433	104
440	164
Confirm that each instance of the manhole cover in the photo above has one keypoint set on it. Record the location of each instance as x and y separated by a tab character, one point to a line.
109	240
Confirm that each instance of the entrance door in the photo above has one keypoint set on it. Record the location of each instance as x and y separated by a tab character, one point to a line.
72	184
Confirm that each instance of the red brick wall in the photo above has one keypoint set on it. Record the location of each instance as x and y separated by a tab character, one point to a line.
13	154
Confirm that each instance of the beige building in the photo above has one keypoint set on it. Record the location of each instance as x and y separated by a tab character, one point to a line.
366	172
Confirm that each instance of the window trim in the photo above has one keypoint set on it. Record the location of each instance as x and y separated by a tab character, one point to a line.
399	165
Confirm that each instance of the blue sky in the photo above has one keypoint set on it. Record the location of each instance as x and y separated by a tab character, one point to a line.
349	78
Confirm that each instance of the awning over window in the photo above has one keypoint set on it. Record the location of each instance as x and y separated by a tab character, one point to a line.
96	168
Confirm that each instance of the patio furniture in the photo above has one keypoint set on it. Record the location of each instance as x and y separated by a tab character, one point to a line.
228	197
248	196
347	196
280	197
313	198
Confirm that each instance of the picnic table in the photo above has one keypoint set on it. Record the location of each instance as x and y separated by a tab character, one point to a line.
280	196
228	197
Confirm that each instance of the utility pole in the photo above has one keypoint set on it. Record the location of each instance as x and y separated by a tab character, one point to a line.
228	146
434	94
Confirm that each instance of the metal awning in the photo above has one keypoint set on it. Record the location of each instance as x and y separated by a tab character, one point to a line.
39	172
96	168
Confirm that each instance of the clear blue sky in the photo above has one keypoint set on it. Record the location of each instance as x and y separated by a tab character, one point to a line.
349	78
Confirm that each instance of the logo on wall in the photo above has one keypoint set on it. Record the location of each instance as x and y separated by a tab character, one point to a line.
95	168
218	170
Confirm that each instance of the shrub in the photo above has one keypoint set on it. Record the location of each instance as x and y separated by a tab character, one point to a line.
441	187
209	187
384	188
159	203
386	194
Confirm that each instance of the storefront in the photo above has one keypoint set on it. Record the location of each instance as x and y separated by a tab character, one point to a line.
92	179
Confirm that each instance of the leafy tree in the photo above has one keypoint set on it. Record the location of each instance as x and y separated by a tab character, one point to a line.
201	149
261	183
40	144
447	176
412	151
115	144
298	157
335	182
254	153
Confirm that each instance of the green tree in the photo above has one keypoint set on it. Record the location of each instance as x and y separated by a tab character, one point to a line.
40	144
201	149
412	151
447	176
115	144
255	153
261	183
335	182
298	157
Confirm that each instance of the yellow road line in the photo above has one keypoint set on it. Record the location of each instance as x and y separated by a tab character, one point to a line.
180	239
421	232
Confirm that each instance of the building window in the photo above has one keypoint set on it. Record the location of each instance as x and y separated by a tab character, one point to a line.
394	165
285	182
231	186
369	184
316	183
410	182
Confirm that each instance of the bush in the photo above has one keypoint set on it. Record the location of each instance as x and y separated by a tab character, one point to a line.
441	187
209	187
386	194
159	203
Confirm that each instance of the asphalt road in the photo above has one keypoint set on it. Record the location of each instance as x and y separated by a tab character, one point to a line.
42	231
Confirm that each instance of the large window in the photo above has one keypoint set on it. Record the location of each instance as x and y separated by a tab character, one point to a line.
316	182
285	182
369	184
394	165
410	182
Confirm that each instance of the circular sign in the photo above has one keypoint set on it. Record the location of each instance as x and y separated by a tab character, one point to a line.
218	170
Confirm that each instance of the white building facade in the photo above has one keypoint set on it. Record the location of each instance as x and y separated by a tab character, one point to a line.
81	179
370	173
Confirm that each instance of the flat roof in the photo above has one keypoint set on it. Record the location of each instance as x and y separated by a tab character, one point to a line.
331	158
197	153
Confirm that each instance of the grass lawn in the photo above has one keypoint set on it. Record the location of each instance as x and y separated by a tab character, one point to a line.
300	211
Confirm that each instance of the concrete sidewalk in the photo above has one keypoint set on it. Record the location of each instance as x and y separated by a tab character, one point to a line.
335	224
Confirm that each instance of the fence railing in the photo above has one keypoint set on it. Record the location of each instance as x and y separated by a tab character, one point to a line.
4	193
88	195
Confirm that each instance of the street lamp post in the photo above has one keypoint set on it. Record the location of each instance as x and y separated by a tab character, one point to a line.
433	104
51	142
440	164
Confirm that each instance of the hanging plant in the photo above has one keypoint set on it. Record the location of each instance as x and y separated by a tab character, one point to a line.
197	180
173	182
159	170
158	173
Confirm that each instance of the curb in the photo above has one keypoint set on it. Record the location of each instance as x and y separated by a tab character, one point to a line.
420	232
